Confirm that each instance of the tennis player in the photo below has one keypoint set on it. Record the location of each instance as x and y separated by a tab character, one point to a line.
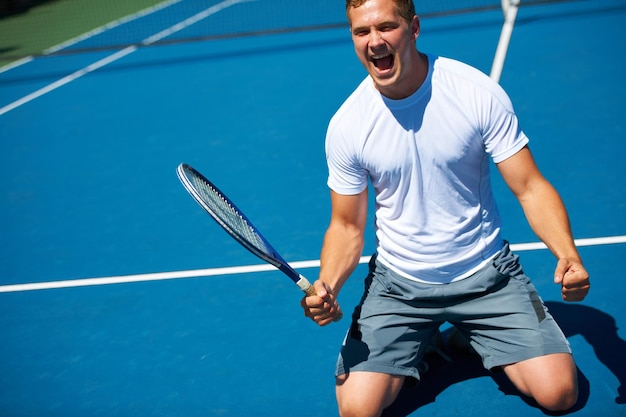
423	129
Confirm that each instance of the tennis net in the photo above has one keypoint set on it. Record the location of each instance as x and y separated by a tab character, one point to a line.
40	27
45	27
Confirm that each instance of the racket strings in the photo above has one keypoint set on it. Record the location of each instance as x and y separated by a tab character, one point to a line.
229	214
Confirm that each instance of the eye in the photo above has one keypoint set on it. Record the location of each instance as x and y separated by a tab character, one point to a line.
360	32
387	27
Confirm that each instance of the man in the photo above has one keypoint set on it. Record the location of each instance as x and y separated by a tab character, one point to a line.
422	128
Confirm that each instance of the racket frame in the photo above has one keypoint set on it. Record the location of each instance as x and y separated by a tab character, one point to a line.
184	171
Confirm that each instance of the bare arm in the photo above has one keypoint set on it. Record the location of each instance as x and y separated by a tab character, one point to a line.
341	251
548	218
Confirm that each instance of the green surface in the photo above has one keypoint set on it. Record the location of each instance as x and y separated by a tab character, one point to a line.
33	29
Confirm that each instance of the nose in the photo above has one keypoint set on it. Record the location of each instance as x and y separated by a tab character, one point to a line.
376	38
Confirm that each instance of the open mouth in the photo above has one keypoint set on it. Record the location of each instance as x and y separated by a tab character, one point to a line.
383	62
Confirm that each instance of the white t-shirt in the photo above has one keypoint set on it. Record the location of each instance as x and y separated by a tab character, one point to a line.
427	157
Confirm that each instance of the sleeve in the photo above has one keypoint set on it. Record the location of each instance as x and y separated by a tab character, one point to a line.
501	132
346	175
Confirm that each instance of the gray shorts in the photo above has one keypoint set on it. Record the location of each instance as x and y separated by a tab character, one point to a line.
497	309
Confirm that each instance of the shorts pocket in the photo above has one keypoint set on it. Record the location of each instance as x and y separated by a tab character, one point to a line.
535	300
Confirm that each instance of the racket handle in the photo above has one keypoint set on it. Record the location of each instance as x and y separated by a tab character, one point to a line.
306	286
309	290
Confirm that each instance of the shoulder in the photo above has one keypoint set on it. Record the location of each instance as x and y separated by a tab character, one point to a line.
356	107
452	70
465	80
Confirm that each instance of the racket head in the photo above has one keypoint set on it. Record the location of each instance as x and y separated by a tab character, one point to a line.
236	224
227	215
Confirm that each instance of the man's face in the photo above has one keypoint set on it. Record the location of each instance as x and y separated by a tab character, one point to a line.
385	44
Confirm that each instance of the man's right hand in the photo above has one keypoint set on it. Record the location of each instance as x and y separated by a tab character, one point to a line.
322	307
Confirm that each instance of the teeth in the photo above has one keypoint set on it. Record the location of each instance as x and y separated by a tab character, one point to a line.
380	56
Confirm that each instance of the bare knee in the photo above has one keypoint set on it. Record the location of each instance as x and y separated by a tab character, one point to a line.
550	380
561	397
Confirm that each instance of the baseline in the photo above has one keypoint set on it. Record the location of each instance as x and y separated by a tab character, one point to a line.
196	273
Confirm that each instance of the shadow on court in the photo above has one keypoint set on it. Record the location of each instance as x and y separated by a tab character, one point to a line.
596	327
599	329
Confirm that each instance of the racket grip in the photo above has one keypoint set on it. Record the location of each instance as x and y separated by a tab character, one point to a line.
309	290
305	286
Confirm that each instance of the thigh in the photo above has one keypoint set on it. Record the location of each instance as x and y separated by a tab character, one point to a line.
552	380
366	393
543	374
390	330
508	323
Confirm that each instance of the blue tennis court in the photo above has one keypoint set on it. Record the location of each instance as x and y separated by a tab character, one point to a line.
119	296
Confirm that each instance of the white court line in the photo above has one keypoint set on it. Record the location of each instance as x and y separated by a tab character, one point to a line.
196	273
92	33
120	54
69	78
16	64
111	25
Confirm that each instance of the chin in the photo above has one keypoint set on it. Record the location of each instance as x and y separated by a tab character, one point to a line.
383	82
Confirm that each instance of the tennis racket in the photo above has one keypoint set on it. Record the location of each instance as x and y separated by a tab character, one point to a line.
236	224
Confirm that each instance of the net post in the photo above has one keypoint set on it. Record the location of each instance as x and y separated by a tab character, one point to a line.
509	8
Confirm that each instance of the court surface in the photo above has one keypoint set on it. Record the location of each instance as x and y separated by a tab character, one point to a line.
120	297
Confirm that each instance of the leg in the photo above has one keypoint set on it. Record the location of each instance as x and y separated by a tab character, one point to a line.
382	348
518	334
366	394
551	380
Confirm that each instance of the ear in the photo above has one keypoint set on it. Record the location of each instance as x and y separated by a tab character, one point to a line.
415	27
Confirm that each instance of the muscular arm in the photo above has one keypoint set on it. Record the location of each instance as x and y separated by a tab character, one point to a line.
343	242
548	218
341	251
